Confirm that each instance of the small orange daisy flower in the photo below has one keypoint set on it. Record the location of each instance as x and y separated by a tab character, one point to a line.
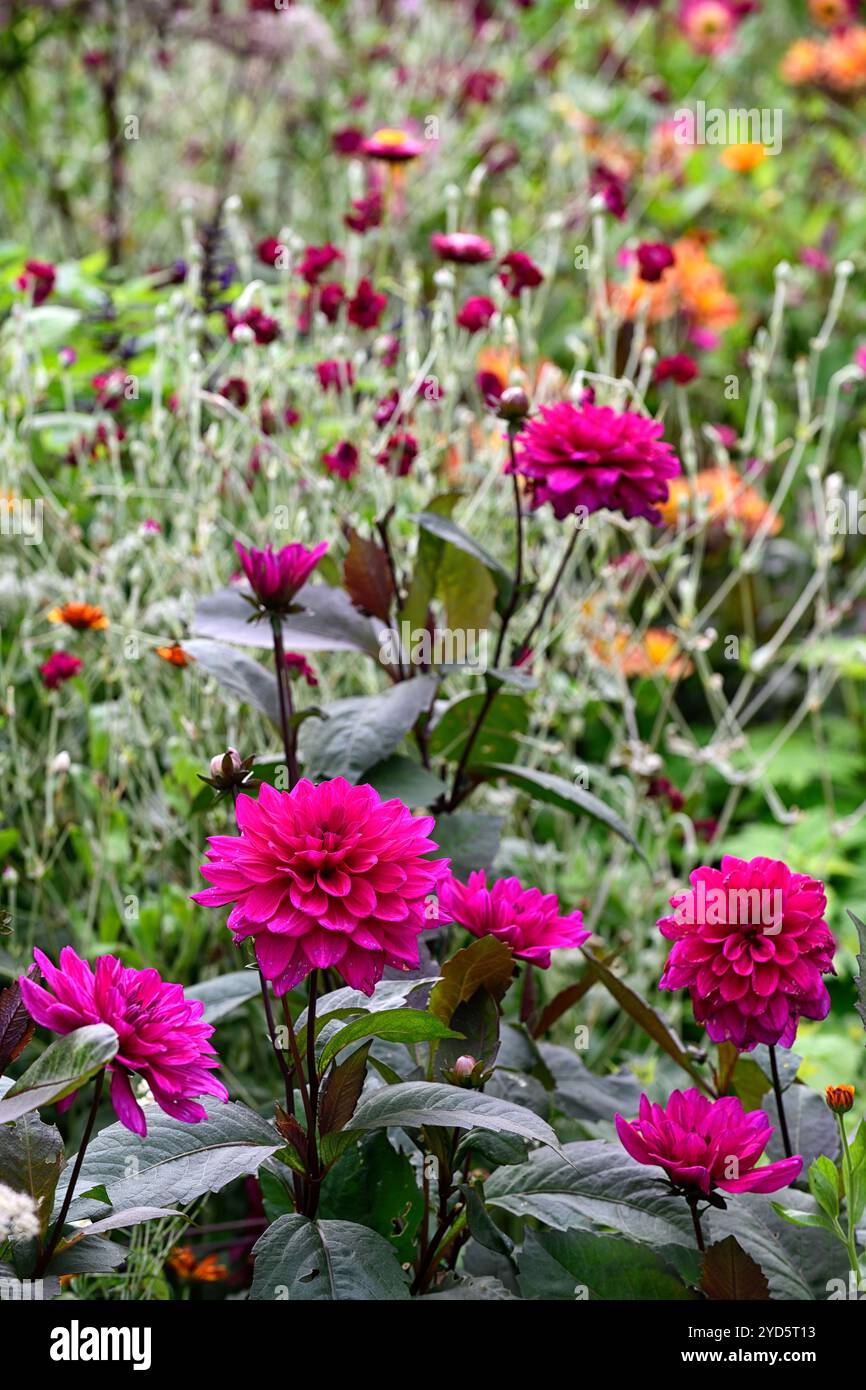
743	158
175	654
82	616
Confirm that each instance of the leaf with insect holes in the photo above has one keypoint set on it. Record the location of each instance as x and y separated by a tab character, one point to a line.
367	577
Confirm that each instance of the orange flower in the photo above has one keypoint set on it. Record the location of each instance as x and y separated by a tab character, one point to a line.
692	285
830	13
803	62
845	59
840	1098
175	654
182	1261
81	616
725	496
745	157
657	653
209	1271
499	362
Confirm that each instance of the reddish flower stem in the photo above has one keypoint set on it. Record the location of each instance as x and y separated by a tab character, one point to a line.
54	1239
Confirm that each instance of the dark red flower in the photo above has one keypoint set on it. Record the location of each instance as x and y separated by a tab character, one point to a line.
612	189
336	375
299	668
520	273
316	260
466	248
38	280
60	667
343	460
480	86
348	140
269	250
235	390
367	306
331	297
366	213
653	258
679	368
399	454
264	328
476	313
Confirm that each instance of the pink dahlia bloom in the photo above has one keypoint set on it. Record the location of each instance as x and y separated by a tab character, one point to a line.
60	667
465	247
703	1144
593	456
329	876
526	919
162	1035
275	576
750	946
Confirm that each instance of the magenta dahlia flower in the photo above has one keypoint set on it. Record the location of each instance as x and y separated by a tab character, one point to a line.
60	667
467	248
328	875
593	456
703	1144
275	576
526	919
750	946
162	1035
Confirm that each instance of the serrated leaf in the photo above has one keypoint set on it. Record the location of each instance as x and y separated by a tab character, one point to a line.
729	1274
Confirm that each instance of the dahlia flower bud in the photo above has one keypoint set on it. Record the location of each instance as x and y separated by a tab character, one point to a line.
467	1071
229	770
513	404
840	1098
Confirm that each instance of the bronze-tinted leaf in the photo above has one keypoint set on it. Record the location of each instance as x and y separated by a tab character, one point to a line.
341	1091
367	576
16	1025
728	1274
